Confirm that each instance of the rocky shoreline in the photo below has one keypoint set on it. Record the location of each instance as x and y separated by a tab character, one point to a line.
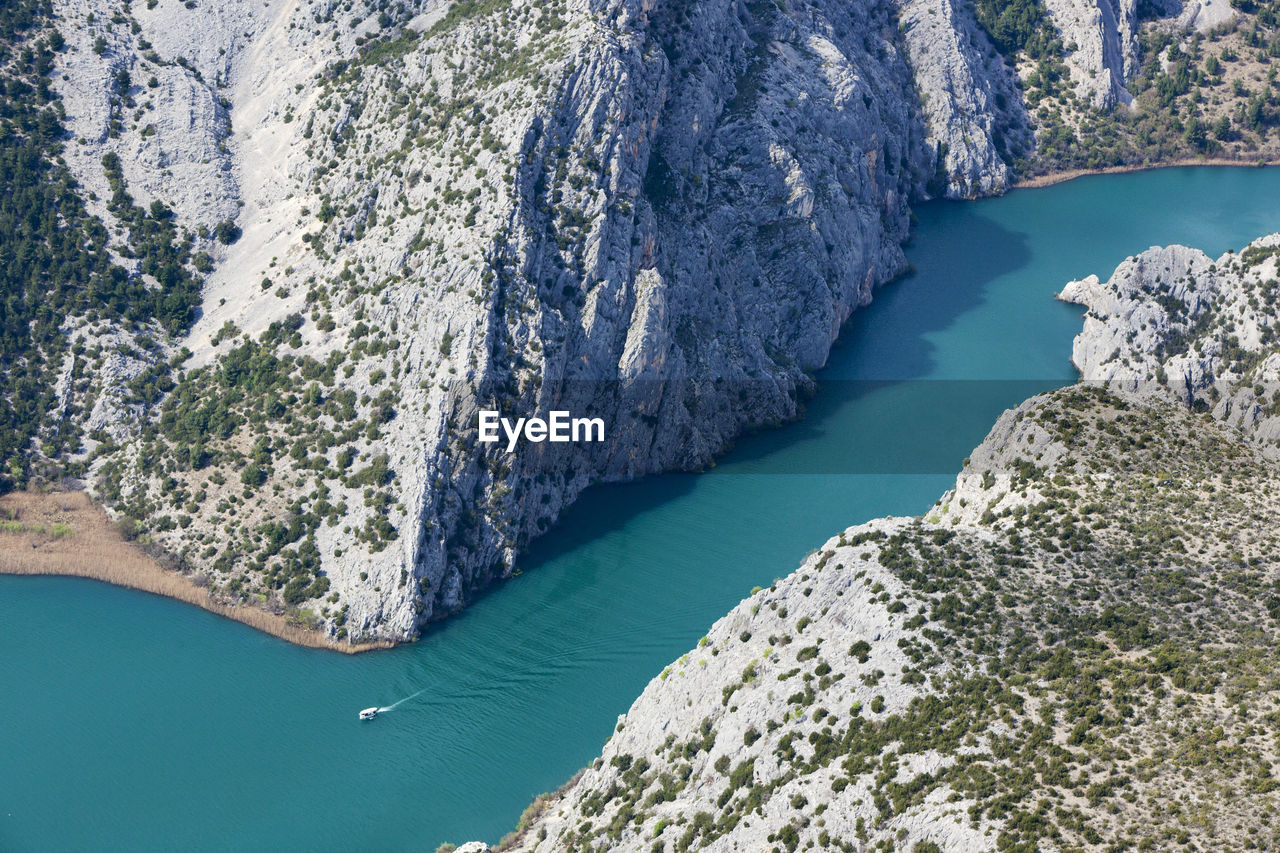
1031	664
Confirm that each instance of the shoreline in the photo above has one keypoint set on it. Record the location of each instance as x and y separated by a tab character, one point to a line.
1052	178
114	560
93	549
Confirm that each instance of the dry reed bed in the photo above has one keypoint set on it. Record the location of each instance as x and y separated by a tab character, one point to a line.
34	540
1050	178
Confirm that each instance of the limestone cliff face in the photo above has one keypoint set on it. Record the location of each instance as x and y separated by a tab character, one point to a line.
157	98
653	213
975	115
649	212
1174	322
1101	41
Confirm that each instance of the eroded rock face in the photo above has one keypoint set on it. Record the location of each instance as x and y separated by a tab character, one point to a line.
1101	40
974	112
1174	322
166	119
647	212
655	214
749	190
1205	15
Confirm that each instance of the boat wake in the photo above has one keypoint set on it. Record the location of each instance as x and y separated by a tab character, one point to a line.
370	713
397	704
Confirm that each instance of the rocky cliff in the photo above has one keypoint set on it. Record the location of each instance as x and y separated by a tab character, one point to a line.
394	215
1073	650
1174	322
1101	42
653	213
976	119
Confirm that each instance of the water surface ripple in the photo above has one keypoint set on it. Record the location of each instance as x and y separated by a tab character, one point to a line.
128	722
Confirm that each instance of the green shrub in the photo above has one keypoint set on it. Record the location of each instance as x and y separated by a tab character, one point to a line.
226	232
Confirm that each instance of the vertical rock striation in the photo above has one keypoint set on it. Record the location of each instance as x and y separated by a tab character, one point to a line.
1101	40
655	213
977	121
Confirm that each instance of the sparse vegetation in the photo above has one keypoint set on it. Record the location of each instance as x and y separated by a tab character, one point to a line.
1211	95
63	533
1094	660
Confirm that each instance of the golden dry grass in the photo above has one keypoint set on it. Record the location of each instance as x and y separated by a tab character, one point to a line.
1051	178
34	540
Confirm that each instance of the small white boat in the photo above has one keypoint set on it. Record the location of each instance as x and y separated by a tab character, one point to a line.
368	713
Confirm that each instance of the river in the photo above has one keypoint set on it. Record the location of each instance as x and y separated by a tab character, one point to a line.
130	722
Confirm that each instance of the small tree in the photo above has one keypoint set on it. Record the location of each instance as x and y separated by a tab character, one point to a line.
227	232
253	475
1194	134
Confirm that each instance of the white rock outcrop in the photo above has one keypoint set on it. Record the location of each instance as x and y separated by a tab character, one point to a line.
642	211
1101	41
1206	15
167	119
729	695
972	107
1174	321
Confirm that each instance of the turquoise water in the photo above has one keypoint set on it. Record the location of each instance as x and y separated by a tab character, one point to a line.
129	722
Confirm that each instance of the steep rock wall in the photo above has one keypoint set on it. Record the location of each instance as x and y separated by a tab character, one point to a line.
649	212
1101	41
974	112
